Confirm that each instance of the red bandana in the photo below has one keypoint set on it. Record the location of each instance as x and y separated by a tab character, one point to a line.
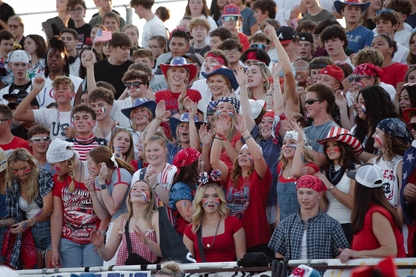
217	57
310	182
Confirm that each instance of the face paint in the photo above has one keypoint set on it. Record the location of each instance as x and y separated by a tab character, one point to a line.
231	114
250	159
103	110
16	174
93	170
294	146
27	171
144	195
378	139
205	202
68	94
335	149
56	168
218	112
216	201
408	103
363	108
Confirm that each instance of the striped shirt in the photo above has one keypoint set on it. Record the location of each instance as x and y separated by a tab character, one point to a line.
83	149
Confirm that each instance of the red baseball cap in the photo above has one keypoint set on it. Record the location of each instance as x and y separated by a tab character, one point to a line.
334	71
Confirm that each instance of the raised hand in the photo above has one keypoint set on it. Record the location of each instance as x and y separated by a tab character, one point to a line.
103	173
223	124
277	67
205	135
160	110
192	108
88	58
241	76
38	84
340	99
241	123
270	32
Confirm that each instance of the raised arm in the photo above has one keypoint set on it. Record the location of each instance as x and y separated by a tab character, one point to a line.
88	60
160	115
217	147
193	132
206	140
22	111
260	165
241	77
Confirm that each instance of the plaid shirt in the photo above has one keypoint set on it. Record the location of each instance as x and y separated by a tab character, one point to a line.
324	235
45	183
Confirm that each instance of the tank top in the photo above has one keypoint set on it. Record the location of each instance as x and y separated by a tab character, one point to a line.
390	180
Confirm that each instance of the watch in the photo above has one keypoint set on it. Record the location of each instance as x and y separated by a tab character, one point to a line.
103	186
331	188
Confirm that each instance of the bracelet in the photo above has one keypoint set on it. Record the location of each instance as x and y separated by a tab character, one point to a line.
331	188
33	221
182	108
218	138
269	94
303	145
159	118
221	136
248	137
155	186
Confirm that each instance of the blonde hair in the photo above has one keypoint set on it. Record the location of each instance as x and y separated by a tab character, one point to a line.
22	155
151	205
199	211
232	130
71	187
266	74
171	268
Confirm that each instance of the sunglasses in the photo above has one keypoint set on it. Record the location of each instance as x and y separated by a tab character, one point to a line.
230	18
411	126
311	101
258	46
317	65
39	139
385	11
356	78
232	51
136	84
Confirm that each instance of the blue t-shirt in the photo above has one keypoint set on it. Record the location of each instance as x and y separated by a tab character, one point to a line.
359	38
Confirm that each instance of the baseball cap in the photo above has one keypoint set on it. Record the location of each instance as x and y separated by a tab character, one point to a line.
285	35
304	36
22	94
368	175
334	71
231	10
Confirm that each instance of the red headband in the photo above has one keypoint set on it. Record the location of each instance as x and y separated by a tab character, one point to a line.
252	56
217	57
269	114
368	69
310	182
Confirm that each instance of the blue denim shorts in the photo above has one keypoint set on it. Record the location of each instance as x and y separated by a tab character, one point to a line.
41	232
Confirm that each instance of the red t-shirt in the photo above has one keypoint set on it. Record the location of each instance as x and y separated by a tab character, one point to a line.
223	248
224	155
248	202
16	143
365	238
394	74
244	41
171	98
79	218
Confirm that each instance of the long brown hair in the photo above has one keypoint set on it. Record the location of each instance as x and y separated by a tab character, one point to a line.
392	146
205	10
363	198
346	157
130	151
103	154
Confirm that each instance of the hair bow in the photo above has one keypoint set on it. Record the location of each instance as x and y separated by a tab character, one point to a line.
113	159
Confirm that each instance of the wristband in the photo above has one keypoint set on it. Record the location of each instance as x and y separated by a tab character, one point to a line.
33	221
155	186
331	188
221	136
248	137
103	186
218	138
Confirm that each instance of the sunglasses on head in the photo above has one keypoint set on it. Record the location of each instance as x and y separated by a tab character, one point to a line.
411	126
311	101
317	65
135	84
39	139
258	46
230	18
356	78
385	11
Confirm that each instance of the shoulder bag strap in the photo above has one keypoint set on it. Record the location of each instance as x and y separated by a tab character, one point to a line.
126	232
201	248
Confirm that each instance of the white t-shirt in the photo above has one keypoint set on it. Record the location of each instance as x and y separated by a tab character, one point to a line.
400	55
45	96
151	28
54	120
284	10
390	90
402	37
74	67
116	113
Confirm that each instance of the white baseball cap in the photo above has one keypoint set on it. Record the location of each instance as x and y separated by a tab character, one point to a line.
368	175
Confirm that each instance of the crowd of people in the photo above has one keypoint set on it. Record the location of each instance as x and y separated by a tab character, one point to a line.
260	126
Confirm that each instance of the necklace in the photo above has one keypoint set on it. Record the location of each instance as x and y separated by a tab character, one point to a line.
209	246
200	50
